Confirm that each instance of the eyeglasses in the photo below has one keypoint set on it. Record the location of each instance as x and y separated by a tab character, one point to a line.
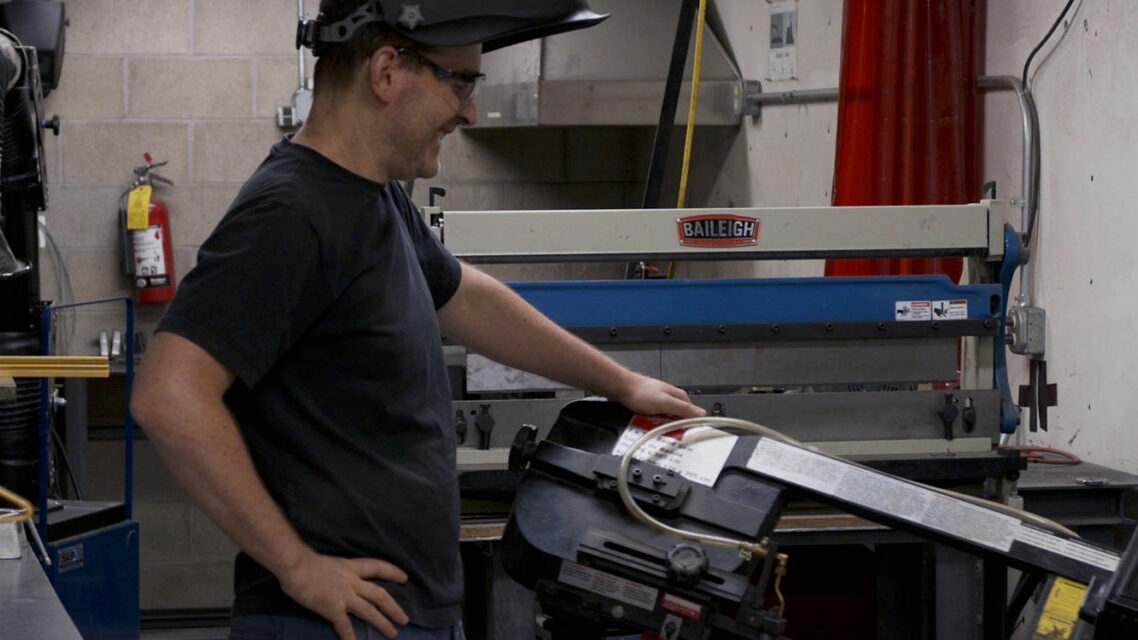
464	85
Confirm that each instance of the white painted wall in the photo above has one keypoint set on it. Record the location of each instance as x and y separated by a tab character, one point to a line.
786	157
1084	272
1086	90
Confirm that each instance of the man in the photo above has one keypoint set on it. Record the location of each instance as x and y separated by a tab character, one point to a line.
296	386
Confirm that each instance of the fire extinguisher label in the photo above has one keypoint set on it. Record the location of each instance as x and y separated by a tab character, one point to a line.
149	261
138	207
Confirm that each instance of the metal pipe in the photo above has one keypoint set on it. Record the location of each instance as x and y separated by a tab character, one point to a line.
1030	141
666	124
794	97
46	347
301	82
659	161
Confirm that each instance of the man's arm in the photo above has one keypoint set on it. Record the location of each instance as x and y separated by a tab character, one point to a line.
177	400
492	320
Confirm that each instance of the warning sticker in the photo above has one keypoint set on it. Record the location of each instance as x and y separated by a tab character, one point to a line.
950	310
696	454
1073	549
1060	611
884	494
607	585
682	606
912	310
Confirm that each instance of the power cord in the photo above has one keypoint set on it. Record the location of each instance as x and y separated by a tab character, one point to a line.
1031	56
1046	455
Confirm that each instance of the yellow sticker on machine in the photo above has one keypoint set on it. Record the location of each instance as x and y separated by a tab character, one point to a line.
1061	611
138	207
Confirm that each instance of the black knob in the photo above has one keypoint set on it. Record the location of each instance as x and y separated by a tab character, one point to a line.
52	124
523	447
948	414
687	563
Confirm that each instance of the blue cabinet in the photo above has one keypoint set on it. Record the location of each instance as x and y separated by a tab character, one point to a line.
95	574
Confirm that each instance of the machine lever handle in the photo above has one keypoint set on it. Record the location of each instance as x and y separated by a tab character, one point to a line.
523	447
485	424
948	414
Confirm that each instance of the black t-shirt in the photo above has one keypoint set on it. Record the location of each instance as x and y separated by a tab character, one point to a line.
318	289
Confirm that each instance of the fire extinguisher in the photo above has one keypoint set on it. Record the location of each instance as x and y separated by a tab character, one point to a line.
144	220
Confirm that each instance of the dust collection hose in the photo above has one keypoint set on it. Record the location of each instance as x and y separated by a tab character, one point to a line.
9	71
747	548
17	133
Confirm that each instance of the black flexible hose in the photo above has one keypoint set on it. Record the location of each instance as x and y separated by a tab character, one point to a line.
1055	25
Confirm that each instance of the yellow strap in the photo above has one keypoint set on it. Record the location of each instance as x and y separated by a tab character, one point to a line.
692	103
696	62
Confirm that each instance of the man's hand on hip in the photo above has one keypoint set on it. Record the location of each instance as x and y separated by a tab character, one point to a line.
336	587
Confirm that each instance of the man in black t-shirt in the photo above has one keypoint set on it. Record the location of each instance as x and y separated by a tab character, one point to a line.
296	386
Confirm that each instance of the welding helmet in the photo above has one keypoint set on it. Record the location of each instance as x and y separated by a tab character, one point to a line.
454	23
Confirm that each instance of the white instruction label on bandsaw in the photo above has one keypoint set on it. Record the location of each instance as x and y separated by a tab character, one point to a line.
1074	549
696	454
880	492
607	585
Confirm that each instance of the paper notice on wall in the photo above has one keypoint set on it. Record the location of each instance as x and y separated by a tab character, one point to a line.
784	40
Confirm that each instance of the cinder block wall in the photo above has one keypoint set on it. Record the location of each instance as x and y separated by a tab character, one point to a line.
197	83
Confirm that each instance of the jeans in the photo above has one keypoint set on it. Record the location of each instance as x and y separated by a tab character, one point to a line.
267	627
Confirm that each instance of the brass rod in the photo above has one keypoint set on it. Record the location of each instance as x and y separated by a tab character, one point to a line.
54	367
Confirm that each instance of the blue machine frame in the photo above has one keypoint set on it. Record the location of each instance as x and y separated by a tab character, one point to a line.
746	301
727	302
95	572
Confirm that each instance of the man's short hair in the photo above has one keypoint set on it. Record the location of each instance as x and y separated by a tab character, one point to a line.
338	63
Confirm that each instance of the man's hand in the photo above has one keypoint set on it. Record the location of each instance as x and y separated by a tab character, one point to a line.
178	398
335	587
490	319
650	396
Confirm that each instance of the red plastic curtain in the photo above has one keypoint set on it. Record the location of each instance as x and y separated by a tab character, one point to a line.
909	116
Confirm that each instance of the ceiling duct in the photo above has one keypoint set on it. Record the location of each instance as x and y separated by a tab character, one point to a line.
610	74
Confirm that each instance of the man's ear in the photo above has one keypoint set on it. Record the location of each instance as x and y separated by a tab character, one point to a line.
381	73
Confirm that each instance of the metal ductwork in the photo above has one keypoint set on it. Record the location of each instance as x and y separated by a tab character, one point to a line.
610	74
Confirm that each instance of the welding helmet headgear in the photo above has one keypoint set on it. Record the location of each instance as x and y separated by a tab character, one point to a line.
454	23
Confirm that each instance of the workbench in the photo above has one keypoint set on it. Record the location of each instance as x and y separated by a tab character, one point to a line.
29	607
